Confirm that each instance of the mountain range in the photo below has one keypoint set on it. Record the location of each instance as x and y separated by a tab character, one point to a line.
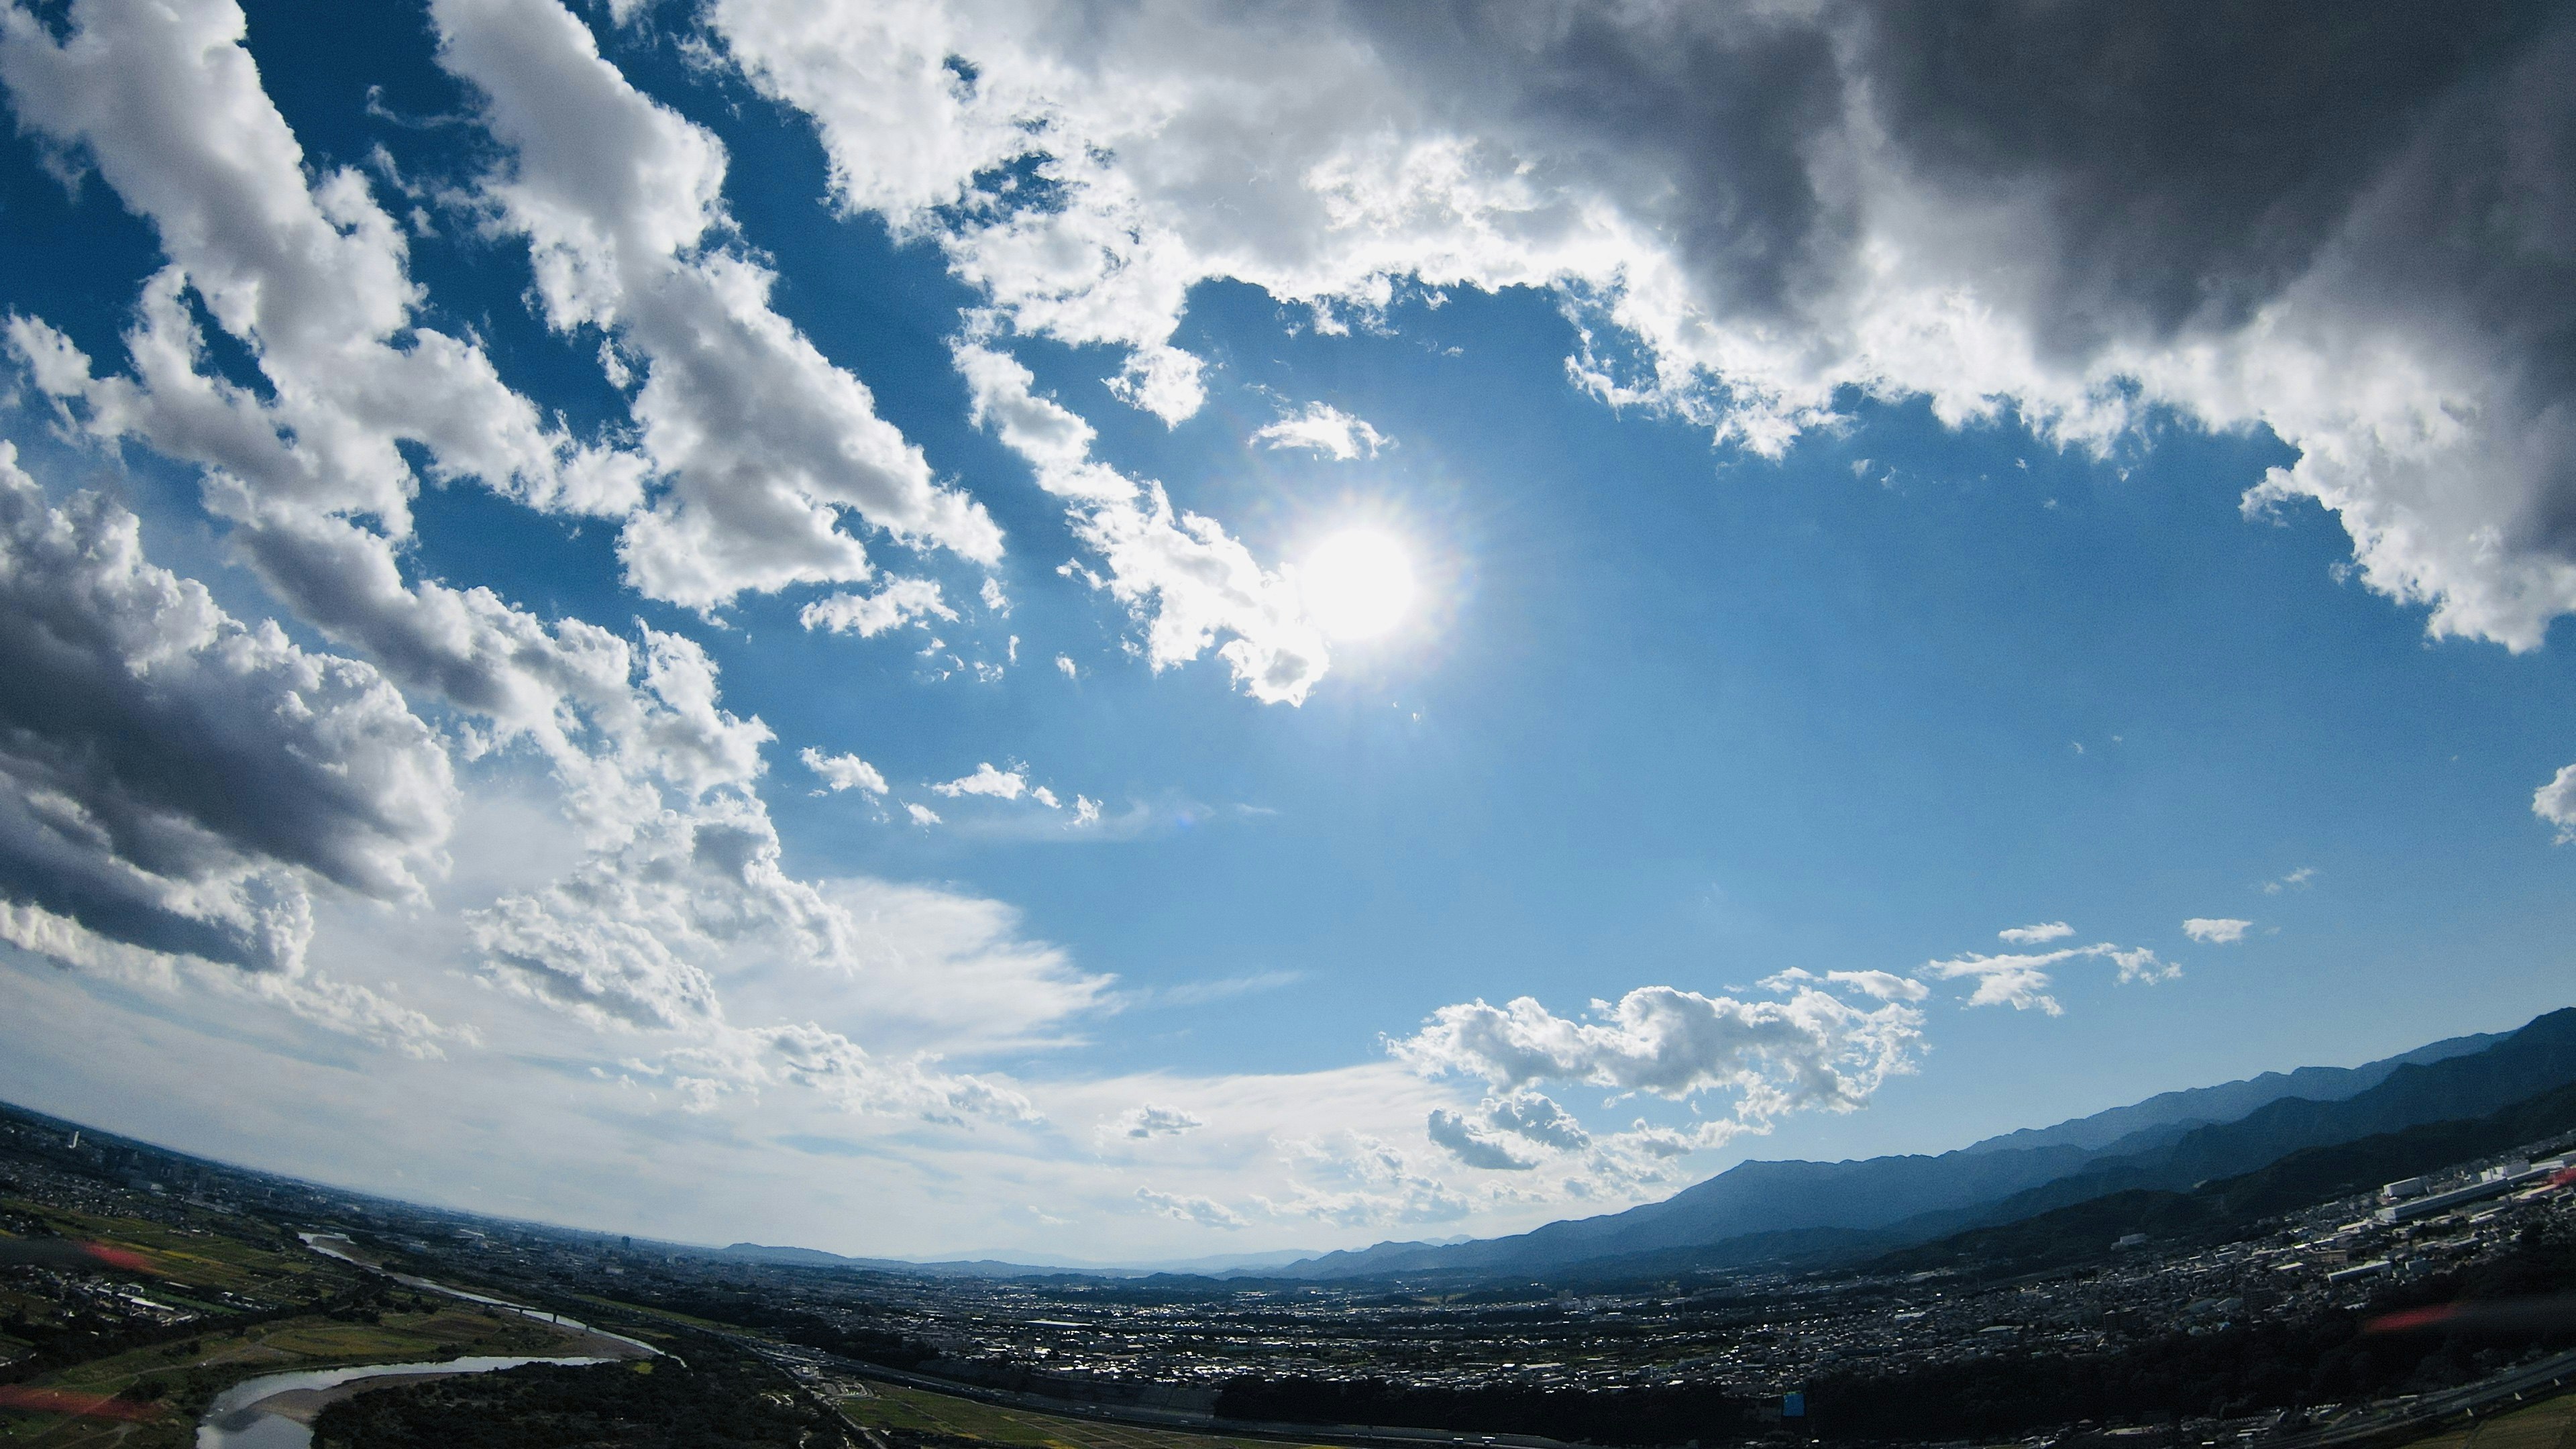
2177	1157
1821	1211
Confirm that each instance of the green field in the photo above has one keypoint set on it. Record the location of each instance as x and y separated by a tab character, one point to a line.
230	1255
2549	1424
177	1379
890	1406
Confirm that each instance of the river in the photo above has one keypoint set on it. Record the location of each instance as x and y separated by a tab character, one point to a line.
276	1411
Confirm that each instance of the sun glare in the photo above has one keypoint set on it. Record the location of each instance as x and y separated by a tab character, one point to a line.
1357	584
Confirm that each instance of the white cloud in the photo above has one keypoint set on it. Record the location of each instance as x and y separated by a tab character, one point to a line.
1205	1212
1067	667
1153	1120
2215	931
1537	1118
847	1075
900	601
1358	1179
922	814
924	970
299	265
675	931
175	779
1885	985
2018	981
2298	879
2034	935
2021	981
2141	965
1789	204
1209	992
1453	1133
2554	802
1809	1052
764	442
310	995
1180	574
998	784
308	276
844	772
684	864
1325	429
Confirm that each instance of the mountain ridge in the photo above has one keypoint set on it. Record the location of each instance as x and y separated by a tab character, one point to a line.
1917	1196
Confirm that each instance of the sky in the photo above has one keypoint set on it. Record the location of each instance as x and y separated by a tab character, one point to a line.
1113	632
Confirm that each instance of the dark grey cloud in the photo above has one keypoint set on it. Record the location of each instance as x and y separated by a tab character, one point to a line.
2190	163
1458	1137
1539	1119
2353	222
1701	117
172	778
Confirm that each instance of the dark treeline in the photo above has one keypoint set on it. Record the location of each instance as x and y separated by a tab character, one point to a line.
718	1400
81	1336
1657	1415
795	1325
2238	1370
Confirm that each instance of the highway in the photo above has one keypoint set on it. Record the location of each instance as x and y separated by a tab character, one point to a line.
1361	1436
2417	1417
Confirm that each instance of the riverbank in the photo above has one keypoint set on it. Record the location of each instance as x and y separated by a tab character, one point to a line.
276	1411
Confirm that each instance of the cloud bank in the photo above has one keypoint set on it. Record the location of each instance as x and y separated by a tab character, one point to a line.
1765	210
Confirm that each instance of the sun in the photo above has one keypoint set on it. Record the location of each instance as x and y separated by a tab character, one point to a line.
1357	584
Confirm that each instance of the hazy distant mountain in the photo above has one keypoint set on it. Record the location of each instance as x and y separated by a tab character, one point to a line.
817	1258
2526	1064
987	1266
2171	1140
2230	1100
2219	1208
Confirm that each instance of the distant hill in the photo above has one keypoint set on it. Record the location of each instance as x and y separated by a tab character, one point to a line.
2527	1064
817	1258
2200	1106
991	1267
1799	1208
2217	1210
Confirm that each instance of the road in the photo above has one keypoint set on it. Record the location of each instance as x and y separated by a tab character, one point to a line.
2413	1418
1362	1436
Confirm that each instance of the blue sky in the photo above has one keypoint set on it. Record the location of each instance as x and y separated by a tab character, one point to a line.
1833	548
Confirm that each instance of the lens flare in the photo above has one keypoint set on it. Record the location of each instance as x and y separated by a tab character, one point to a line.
1357	584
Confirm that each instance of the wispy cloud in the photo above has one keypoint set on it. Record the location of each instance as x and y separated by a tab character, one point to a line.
2215	931
1885	985
844	772
1325	429
2034	935
2022	981
1205	1212
986	781
1209	992
901	601
1150	1120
